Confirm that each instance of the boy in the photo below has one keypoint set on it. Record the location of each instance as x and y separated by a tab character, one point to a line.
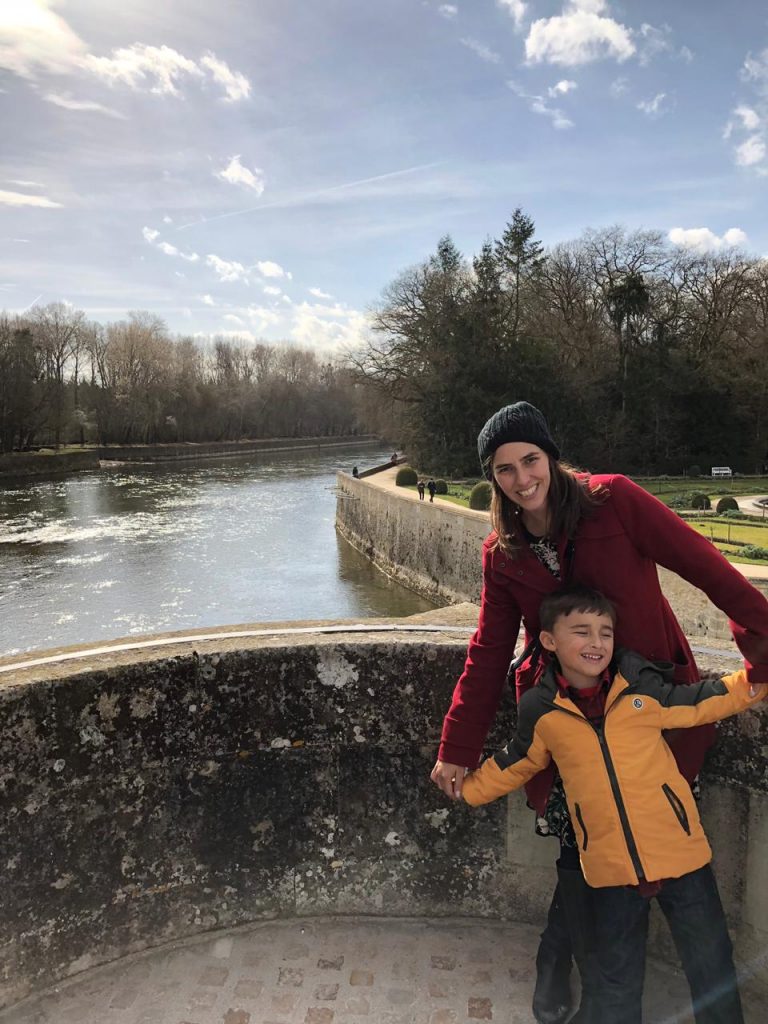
601	719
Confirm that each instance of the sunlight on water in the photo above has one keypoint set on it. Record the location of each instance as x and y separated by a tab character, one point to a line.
154	548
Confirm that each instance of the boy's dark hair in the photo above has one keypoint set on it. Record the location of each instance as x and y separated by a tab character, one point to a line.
573	599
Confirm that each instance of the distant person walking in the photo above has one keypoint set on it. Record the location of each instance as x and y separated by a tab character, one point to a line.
355	473
431	487
394	458
420	489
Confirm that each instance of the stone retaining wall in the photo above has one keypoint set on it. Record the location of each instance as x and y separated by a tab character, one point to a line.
151	796
221	449
435	549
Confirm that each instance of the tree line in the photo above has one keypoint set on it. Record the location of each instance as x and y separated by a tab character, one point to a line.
646	357
67	379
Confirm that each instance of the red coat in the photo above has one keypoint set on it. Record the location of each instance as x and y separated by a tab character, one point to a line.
616	552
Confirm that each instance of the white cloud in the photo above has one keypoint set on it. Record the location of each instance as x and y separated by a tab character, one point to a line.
482	51
755	69
561	88
68	103
235	84
227	270
618	87
162	69
23	183
751	152
151	236
654	107
269	269
236	174
171	250
704	240
328	327
318	294
448	10
207	300
515	8
233	319
270	289
34	40
579	35
262	317
538	105
167	219
653	41
22	199
750	119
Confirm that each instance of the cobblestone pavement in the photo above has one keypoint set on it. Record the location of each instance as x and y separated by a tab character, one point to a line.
330	971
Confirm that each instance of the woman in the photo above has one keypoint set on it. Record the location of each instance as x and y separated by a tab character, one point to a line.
552	526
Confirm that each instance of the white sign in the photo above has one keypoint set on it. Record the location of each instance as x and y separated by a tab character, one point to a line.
722	471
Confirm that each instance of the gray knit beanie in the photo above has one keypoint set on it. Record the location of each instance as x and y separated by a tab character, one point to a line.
518	422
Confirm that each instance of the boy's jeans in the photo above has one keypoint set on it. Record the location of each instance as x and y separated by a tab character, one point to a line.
692	907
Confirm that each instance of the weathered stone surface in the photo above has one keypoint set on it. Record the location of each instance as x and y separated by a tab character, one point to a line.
148	802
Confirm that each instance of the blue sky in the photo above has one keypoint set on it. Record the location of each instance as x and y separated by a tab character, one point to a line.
266	167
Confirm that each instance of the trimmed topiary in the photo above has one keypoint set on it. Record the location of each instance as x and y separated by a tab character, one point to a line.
694	471
406	476
701	501
441	487
727	505
480	496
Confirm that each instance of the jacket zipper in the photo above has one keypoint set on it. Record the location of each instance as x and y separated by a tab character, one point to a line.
582	826
678	807
629	839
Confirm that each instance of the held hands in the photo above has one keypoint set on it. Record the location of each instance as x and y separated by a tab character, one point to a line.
449	778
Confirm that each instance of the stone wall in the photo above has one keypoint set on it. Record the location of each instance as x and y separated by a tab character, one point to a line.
435	549
221	449
13	464
151	795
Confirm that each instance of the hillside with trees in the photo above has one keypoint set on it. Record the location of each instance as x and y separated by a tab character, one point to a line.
646	357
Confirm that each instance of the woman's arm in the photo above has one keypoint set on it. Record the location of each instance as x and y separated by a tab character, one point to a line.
479	688
661	535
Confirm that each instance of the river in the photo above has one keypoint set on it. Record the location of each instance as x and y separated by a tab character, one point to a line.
156	547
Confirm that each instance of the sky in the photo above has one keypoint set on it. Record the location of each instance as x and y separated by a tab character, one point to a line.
264	168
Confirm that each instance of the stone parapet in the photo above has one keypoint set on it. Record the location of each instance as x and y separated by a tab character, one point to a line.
155	793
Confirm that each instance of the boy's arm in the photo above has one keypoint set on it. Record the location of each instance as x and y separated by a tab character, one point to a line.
707	701
523	757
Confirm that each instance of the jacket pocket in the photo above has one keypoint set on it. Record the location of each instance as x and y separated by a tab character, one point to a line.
583	827
678	807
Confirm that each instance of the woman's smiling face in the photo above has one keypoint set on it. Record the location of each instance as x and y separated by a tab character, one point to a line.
522	472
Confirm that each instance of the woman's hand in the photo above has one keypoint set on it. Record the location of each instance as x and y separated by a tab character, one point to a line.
449	778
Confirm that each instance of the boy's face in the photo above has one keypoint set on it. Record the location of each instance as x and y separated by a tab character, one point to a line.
583	643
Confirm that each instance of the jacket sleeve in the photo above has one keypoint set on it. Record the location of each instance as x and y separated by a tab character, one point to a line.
478	691
523	757
707	701
661	535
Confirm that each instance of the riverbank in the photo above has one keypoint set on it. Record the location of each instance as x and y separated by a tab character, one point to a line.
50	461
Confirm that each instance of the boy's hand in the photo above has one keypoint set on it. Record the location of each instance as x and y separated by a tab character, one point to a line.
449	778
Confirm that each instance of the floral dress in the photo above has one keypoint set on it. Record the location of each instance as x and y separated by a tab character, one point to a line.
556	821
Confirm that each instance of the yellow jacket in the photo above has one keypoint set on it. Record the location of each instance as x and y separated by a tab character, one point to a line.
633	812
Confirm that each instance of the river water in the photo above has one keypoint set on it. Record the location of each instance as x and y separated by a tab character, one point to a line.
145	549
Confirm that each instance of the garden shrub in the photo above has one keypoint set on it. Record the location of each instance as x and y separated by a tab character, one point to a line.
694	471
441	487
700	501
727	505
735	514
480	496
406	476
753	551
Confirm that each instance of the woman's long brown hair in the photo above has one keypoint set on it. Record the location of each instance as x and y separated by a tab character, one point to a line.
569	499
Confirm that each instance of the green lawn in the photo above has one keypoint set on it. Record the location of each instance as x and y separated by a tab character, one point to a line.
727	535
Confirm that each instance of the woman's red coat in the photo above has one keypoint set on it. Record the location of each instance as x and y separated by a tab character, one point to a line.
615	551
